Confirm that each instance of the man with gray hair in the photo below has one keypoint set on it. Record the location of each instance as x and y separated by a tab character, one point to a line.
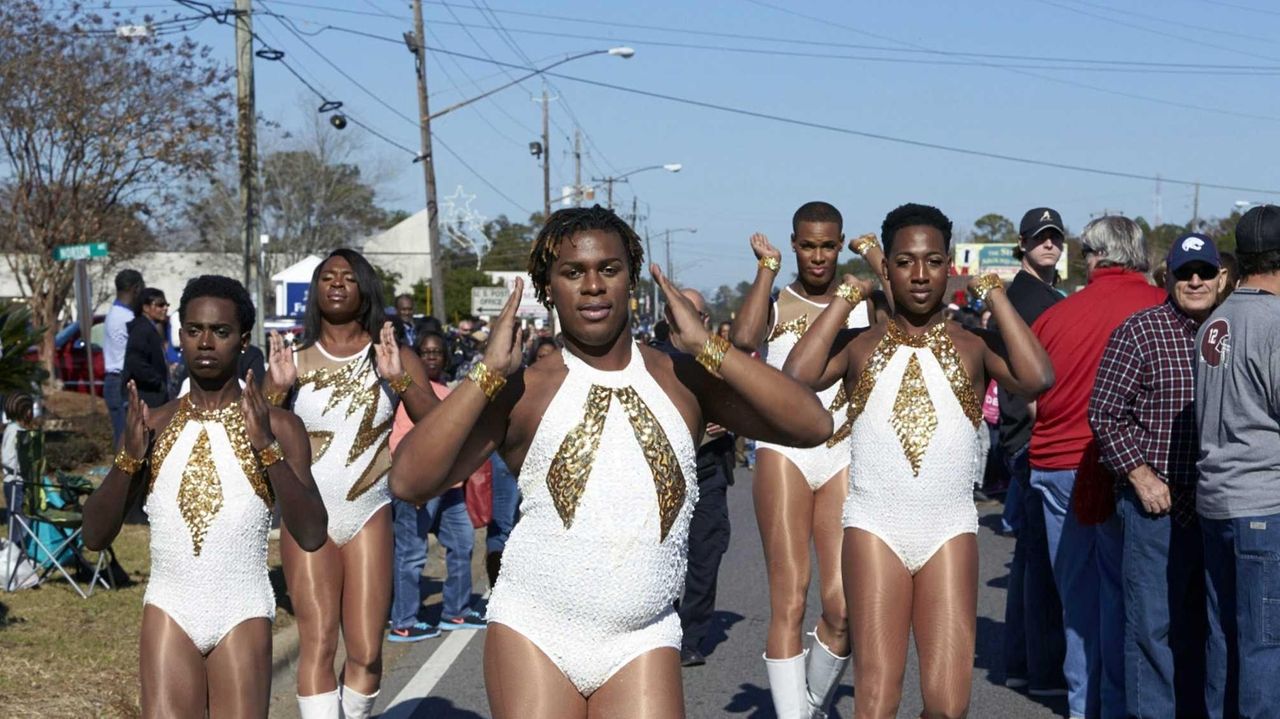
1086	557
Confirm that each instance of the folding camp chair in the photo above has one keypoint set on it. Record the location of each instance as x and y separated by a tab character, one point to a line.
51	520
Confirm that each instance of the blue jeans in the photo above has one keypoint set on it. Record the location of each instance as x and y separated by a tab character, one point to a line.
1242	571
1033	638
1164	613
410	529
117	407
447	517
506	498
1086	568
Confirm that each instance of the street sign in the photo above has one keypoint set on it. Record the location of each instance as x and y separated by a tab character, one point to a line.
80	252
488	300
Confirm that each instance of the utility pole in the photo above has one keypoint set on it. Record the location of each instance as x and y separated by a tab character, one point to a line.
608	183
246	118
546	158
1159	205
577	167
419	50
669	275
1195	210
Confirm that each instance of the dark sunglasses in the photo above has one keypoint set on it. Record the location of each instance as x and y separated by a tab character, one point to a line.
1205	272
159	304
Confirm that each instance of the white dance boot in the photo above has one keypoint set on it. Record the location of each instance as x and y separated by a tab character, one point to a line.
356	705
823	677
320	706
787	685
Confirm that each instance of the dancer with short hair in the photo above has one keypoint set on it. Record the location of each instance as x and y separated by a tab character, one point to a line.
910	554
798	492
602	436
209	466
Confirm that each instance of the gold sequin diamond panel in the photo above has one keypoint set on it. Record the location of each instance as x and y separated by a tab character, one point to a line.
914	417
200	493
568	474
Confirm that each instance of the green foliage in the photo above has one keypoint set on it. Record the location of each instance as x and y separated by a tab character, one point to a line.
457	290
390	281
993	227
17	335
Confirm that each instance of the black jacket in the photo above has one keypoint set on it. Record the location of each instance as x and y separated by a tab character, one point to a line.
144	363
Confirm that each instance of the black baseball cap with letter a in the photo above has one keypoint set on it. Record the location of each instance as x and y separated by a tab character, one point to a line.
1038	220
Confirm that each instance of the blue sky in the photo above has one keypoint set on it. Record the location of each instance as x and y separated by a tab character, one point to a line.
744	174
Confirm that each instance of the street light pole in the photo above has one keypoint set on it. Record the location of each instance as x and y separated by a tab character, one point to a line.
608	181
546	158
428	167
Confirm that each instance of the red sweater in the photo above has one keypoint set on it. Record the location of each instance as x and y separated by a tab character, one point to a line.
1075	332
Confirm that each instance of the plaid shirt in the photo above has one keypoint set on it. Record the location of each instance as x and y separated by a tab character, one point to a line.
1141	410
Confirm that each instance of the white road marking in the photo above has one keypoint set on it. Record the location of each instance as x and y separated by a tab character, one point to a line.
429	674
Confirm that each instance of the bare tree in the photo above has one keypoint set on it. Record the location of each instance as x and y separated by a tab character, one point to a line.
96	130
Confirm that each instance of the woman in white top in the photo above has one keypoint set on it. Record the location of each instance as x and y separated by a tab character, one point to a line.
210	466
602	435
798	492
910	554
344	383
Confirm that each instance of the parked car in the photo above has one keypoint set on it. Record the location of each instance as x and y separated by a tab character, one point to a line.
69	362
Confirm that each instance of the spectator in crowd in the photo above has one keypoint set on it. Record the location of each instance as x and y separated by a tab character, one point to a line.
144	358
465	347
19	410
116	338
1143	417
724	329
1086	557
1230	276
404	311
1237	404
1033	639
543	347
709	526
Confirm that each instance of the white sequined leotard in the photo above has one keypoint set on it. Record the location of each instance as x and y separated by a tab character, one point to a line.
791	314
348	414
209	505
915	428
592	568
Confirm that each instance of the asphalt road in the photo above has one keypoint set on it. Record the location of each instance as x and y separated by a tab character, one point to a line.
444	677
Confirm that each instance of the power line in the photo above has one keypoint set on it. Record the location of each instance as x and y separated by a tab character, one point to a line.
436	137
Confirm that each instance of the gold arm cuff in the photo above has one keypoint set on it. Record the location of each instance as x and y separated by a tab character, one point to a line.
487	380
126	462
711	356
865	243
770	263
983	287
401	384
850	293
271	454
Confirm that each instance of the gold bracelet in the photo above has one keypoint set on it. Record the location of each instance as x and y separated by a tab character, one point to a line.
864	244
126	462
711	356
400	384
983	287
275	398
487	380
849	293
271	454
770	263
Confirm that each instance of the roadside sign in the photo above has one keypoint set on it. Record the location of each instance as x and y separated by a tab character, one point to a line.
488	300
80	252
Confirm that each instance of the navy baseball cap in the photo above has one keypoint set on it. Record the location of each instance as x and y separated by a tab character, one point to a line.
1259	230
1039	219
1193	247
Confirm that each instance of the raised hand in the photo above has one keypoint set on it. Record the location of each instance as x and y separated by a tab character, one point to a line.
281	372
688	334
864	286
762	248
257	414
504	352
990	280
137	433
853	243
387	353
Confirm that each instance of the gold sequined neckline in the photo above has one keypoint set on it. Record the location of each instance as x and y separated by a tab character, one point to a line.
221	414
900	336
